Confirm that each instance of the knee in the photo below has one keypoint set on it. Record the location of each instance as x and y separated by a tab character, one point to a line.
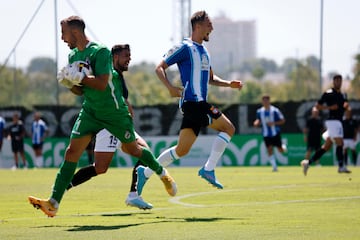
135	152
230	130
124	149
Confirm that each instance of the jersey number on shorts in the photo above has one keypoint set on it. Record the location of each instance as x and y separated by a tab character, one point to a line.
113	141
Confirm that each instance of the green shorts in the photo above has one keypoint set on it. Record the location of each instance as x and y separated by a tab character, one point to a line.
117	122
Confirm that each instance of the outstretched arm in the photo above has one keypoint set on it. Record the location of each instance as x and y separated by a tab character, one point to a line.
217	81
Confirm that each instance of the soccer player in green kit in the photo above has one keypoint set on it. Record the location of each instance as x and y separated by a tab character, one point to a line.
103	107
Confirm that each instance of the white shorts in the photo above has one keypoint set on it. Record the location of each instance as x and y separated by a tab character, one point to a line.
349	143
334	129
106	142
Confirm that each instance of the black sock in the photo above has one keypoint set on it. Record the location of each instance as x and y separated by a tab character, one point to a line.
340	155
83	175
317	155
134	177
346	157
354	157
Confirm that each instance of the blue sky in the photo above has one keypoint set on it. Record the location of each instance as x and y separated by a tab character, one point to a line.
285	28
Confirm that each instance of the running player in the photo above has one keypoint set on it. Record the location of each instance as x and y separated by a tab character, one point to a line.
103	107
106	144
351	130
193	61
270	118
312	132
336	102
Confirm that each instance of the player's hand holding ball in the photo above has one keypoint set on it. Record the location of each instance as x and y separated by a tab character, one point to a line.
64	81
76	71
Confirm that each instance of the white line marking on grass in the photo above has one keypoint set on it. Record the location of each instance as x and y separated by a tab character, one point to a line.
177	200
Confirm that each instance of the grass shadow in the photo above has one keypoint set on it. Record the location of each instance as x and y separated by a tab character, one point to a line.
164	220
104	228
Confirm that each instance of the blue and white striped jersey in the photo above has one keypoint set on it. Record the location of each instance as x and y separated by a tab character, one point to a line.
271	115
38	130
2	127
193	61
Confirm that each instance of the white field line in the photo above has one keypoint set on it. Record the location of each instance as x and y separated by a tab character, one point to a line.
178	199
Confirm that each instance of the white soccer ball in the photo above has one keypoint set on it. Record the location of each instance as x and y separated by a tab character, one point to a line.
76	71
82	66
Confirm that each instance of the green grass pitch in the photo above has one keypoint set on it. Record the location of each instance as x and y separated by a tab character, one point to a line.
254	204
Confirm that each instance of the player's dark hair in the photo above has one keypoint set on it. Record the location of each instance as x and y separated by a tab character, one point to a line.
197	17
118	48
337	76
74	21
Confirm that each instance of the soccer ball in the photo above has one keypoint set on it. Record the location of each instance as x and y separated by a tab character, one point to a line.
75	73
81	66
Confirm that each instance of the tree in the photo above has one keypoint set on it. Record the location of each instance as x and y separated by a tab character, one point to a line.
304	83
355	83
289	65
251	92
13	84
146	89
43	84
42	64
258	72
266	65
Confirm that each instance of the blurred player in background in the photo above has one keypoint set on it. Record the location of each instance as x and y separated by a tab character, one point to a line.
193	61
16	132
336	102
270	119
312	132
2	131
106	144
90	73
39	132
351	129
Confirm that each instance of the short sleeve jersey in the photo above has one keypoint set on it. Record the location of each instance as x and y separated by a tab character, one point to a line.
273	114
16	131
331	97
38	131
99	58
193	61
117	84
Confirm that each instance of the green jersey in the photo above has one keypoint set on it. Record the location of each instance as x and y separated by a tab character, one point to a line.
102	109
99	58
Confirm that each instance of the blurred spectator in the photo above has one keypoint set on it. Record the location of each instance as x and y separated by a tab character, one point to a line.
270	119
2	130
351	128
16	132
39	132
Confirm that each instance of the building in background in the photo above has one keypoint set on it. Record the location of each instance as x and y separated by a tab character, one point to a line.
231	43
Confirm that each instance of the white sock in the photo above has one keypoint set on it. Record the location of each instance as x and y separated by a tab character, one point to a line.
54	203
273	161
133	195
165	159
39	161
218	148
